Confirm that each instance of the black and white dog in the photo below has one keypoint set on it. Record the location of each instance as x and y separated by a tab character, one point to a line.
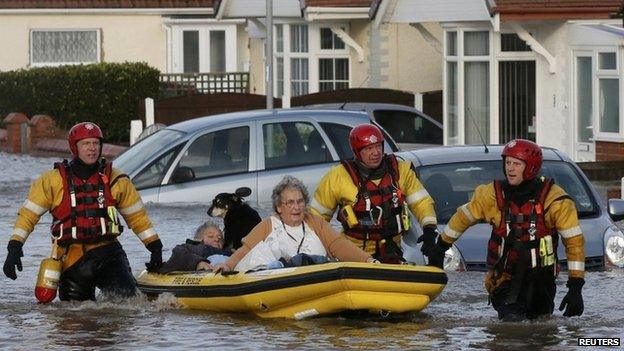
238	217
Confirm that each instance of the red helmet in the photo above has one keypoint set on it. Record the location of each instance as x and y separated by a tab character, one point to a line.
81	131
527	151
363	136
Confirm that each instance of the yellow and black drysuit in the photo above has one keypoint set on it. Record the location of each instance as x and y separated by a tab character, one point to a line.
373	204
522	264
84	201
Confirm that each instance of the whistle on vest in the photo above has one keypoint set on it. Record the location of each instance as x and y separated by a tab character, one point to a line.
546	250
113	223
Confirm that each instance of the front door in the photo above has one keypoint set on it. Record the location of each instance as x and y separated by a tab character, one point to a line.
584	144
517	100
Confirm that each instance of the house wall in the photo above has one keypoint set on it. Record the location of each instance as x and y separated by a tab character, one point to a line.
360	71
409	62
120	37
554	125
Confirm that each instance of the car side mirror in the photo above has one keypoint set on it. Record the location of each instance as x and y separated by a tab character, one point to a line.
183	174
616	209
243	191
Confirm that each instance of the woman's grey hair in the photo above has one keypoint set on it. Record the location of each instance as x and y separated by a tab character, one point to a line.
288	182
205	226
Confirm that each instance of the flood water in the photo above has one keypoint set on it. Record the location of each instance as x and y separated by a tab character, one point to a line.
459	318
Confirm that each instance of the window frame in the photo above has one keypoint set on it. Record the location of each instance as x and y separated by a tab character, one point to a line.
330	149
175	46
314	54
250	162
607	74
98	39
460	59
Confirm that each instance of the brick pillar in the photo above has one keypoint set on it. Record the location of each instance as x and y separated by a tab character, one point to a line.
42	127
18	132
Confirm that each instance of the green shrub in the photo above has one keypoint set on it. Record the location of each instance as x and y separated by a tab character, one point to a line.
108	94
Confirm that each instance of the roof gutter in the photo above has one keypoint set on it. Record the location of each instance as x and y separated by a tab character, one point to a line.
338	13
111	11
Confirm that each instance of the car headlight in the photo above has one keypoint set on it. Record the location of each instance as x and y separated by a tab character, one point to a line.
453	260
614	246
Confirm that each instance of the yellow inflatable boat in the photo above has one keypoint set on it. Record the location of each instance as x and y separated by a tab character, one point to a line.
303	292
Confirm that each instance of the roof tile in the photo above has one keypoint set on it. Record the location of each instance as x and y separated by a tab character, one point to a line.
555	9
102	4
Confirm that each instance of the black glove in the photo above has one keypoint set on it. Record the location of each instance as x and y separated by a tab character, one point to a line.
428	239
573	301
13	259
155	248
436	258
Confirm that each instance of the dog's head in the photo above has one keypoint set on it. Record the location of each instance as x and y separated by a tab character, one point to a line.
223	202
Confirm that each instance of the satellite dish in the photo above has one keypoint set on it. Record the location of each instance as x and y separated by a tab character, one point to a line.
150	130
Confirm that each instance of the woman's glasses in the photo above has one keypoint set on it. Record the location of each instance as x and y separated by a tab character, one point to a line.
292	203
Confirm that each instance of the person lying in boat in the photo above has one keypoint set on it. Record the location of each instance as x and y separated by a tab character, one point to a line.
290	233
199	253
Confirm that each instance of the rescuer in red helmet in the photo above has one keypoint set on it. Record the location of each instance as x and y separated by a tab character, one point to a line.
528	214
373	193
85	196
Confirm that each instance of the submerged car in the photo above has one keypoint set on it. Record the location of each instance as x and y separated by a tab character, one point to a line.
409	127
193	161
451	174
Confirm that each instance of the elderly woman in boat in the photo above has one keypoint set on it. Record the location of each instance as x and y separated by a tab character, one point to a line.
290	232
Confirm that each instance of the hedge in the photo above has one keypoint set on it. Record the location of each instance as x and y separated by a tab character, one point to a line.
105	93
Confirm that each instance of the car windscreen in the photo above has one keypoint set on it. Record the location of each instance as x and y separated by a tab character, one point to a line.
452	185
136	156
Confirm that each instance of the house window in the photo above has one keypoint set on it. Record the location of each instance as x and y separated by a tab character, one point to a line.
476	43
452	121
55	47
217	51
607	60
279	71
609	105
467	87
309	58
201	48
299	38
279	38
608	94
512	42
299	76
191	50
333	74
451	43
477	102
584	96
330	41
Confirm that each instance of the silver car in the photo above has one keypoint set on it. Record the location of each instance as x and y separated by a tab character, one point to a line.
410	128
452	173
193	161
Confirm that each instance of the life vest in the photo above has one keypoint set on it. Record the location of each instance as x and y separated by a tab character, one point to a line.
522	228
87	213
380	209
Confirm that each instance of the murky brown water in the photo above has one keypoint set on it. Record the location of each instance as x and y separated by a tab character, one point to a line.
458	319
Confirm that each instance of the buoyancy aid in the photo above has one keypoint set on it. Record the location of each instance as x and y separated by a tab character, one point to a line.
522	228
380	209
87	212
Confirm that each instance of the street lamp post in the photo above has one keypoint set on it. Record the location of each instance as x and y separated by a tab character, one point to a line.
269	54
